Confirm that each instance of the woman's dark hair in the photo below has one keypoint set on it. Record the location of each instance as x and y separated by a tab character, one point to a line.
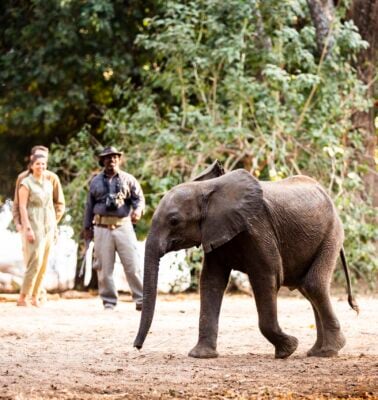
34	158
39	148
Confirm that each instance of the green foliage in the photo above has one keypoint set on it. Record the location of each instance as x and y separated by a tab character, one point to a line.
194	257
241	83
61	58
59	63
75	164
361	235
236	81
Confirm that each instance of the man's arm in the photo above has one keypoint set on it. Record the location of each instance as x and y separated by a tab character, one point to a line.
88	217
137	200
16	203
58	197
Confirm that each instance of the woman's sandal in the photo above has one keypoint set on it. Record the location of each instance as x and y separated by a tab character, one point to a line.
35	303
22	303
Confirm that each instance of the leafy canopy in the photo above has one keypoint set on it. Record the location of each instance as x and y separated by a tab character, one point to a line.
241	81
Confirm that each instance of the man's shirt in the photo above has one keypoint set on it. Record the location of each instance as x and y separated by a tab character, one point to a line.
122	182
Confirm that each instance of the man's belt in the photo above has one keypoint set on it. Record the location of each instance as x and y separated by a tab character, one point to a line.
109	222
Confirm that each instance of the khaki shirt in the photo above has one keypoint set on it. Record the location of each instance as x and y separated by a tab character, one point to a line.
58	197
40	206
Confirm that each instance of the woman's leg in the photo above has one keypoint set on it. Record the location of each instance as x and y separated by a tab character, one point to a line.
32	261
44	250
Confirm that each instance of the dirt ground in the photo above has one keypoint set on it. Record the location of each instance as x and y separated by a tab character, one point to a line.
73	349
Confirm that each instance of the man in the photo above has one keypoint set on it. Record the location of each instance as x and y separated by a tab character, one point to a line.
115	202
58	197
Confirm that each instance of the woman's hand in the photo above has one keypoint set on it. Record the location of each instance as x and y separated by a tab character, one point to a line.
30	237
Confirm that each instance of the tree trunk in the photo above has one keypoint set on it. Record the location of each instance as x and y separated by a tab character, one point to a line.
322	13
364	14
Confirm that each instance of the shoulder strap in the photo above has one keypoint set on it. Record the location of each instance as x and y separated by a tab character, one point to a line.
118	183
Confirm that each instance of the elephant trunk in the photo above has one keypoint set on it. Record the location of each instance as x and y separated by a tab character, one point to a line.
150	280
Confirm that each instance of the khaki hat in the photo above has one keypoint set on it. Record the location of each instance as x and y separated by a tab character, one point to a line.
107	151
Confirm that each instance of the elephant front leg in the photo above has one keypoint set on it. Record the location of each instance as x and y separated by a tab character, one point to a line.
319	328
213	283
265	291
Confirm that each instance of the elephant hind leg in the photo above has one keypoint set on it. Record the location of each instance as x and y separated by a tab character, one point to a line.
316	288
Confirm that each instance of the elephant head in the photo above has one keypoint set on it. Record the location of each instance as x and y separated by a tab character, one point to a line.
209	212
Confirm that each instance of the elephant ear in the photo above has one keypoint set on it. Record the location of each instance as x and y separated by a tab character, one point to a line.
212	171
230	203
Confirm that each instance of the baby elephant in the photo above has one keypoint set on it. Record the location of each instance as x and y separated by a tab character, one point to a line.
284	233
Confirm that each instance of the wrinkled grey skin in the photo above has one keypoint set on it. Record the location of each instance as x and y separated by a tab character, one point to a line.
284	233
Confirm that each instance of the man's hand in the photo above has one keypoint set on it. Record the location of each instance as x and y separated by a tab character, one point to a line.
136	216
18	227
88	234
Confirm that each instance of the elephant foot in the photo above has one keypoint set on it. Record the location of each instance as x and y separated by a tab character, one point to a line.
287	348
314	350
322	353
330	350
201	351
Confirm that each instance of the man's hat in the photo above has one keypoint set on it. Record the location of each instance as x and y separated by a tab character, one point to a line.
107	151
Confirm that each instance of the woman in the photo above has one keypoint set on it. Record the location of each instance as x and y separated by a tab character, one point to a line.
38	227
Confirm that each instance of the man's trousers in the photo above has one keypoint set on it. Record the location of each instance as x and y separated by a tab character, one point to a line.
123	241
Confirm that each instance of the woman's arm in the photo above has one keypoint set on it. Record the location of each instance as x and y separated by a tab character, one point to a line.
23	195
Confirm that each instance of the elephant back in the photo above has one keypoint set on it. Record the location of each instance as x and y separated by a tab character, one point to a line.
301	212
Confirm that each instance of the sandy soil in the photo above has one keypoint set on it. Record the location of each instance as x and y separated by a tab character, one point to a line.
73	349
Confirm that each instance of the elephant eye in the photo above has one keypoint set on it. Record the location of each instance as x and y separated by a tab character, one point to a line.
174	221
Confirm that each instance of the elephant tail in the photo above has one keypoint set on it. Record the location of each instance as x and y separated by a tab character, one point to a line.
351	300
